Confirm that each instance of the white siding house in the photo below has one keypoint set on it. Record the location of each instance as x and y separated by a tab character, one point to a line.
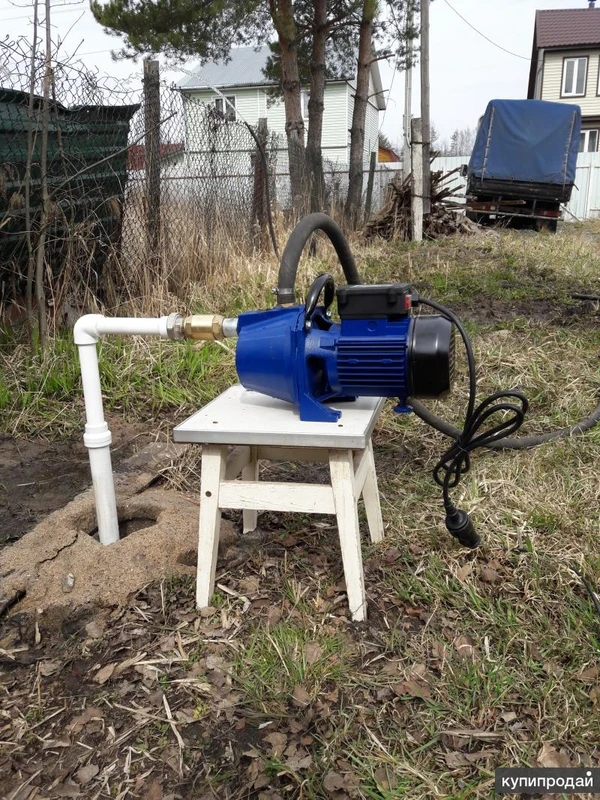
242	81
565	65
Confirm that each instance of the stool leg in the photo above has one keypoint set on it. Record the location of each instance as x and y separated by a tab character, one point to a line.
214	459
371	497
250	473
341	465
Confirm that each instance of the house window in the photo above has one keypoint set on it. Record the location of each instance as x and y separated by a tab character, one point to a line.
304	98
574	77
588	143
226	110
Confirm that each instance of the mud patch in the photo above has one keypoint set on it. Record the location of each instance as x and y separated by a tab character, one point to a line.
486	310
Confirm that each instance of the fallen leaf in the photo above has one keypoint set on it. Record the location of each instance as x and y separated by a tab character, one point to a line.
48	668
69	789
589	674
508	716
215	662
104	674
552	669
463	572
412	688
78	723
125	665
262	781
334	782
278	741
472	758
454	742
54	743
532	651
440	652
465	648
299	761
391	555
312	652
274	615
455	760
153	791
85	774
489	575
385	778
550	757
595	695
391	667
301	696
249	585
95	629
332	696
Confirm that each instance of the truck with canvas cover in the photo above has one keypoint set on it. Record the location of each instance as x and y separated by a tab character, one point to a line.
523	163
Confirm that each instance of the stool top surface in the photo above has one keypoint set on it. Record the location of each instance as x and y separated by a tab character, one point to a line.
239	416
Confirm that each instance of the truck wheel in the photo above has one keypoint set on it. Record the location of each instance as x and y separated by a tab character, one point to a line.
549	225
480	219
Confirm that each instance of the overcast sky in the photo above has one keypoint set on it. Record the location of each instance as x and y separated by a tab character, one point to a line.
466	70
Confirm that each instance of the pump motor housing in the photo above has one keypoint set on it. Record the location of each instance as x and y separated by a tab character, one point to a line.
378	349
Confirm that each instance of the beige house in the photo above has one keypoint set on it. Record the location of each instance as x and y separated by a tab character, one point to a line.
241	79
565	65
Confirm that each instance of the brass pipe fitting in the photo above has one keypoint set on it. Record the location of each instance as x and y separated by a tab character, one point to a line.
203	327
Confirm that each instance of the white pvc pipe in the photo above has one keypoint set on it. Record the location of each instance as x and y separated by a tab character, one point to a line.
97	437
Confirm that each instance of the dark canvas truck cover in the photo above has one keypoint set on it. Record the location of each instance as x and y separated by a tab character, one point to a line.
530	141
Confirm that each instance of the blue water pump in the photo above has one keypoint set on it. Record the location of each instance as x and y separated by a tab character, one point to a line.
379	349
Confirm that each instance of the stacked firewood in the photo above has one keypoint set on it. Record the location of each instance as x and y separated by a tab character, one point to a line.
393	221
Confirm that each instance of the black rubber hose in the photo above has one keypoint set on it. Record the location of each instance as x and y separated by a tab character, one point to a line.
290	259
520	443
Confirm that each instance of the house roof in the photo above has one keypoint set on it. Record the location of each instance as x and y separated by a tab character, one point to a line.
387	154
136	155
567	27
245	67
563	28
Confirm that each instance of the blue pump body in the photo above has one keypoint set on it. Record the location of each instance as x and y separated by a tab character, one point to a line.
278	355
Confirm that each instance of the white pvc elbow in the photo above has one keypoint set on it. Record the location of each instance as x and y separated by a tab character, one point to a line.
97	437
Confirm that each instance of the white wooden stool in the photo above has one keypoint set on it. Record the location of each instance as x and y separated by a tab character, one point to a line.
262	428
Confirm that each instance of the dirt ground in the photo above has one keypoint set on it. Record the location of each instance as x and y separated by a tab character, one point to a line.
39	477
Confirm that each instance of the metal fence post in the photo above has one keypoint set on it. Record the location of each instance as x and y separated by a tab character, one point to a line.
152	154
259	211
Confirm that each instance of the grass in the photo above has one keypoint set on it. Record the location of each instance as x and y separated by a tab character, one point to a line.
469	660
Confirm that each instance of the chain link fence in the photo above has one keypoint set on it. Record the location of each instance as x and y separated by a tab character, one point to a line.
112	189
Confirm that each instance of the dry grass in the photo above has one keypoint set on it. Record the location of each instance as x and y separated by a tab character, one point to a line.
469	660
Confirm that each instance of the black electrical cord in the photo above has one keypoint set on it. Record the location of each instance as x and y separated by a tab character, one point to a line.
456	460
521	442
